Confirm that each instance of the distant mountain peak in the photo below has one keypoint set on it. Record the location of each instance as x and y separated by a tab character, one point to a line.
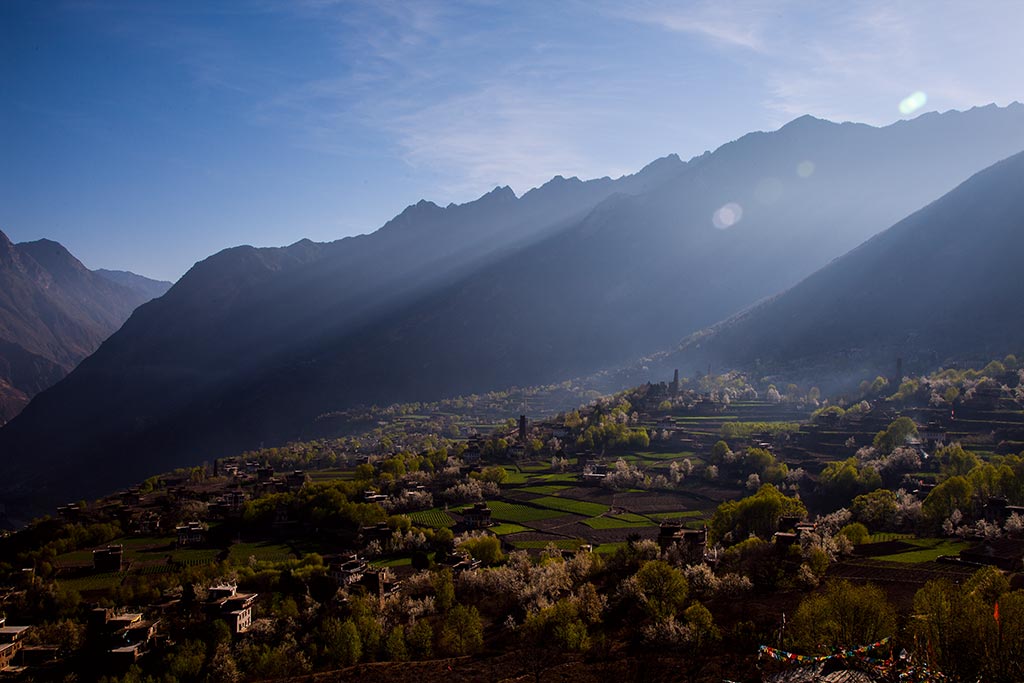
668	161
806	122
502	192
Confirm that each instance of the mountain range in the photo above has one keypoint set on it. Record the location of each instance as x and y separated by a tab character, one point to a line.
252	345
53	313
943	284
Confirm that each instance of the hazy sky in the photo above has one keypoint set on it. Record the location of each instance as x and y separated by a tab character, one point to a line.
148	135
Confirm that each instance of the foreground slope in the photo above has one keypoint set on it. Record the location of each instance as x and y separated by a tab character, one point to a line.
252	345
53	313
943	284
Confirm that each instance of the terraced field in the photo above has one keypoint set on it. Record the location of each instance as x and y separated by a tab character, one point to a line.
572	506
435	517
514	512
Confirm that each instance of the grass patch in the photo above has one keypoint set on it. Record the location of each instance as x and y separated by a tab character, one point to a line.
681	514
545	489
240	553
435	517
96	582
609	548
572	506
507	528
393	562
513	512
681	455
930	550
886	537
515	476
618	522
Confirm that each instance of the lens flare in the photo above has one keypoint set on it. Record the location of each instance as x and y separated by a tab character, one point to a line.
913	102
727	216
805	169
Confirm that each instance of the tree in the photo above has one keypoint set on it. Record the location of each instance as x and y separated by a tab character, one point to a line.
341	642
662	589
857	533
462	633
956	493
845	615
877	509
898	433
420	639
758	514
846	479
444	589
222	666
955	461
487	549
394	646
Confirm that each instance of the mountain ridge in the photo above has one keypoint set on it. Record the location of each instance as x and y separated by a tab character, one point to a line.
252	344
53	313
796	329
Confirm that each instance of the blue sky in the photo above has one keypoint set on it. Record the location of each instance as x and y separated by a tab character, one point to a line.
148	135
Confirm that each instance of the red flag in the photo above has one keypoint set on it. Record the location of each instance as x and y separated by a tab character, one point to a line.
995	613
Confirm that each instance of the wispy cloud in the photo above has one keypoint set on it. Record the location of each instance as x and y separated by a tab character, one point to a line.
731	25
856	61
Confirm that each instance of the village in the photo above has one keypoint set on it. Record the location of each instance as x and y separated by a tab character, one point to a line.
350	525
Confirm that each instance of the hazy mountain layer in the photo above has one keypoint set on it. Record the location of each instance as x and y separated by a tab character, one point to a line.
945	283
252	344
53	313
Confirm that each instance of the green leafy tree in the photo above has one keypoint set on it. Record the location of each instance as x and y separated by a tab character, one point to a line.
845	615
856	533
462	632
487	549
394	646
444	589
341	642
757	514
420	639
662	589
876	510
898	433
956	493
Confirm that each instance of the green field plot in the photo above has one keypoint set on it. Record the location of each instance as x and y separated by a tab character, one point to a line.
885	537
554	477
507	528
331	475
191	557
75	558
95	582
535	467
263	552
515	476
929	549
680	514
561	544
435	518
545	489
513	512
626	521
393	562
648	455
609	548
572	506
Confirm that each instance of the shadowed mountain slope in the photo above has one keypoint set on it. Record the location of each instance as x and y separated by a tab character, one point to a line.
53	313
945	283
